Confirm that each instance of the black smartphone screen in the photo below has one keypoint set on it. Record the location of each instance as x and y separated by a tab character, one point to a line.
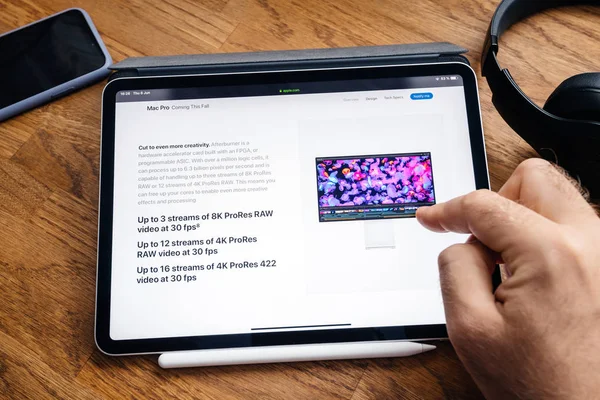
46	54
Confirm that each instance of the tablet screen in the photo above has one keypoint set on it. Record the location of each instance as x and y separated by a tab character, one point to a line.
283	207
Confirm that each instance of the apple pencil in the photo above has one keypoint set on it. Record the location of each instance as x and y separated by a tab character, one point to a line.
291	353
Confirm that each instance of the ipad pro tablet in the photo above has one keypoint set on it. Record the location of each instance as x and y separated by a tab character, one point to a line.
278	208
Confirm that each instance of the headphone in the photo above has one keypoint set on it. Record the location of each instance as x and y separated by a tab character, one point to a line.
567	129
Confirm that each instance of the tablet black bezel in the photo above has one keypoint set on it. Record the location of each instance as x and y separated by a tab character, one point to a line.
159	345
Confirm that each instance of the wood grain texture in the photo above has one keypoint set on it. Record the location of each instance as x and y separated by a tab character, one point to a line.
49	160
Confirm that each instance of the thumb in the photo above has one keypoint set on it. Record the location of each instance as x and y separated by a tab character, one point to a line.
466	283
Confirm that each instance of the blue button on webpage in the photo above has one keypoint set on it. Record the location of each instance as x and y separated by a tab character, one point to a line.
421	96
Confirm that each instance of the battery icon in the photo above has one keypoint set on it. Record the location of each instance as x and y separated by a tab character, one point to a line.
453	78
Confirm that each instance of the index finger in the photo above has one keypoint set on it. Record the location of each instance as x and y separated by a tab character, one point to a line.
501	224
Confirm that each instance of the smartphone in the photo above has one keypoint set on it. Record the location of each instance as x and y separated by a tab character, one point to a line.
48	59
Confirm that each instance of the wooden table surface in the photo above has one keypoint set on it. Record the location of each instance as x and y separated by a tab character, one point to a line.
49	160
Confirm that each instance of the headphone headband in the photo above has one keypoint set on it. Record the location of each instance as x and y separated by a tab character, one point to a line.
574	144
509	12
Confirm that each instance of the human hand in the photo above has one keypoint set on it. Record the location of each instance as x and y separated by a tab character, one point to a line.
538	335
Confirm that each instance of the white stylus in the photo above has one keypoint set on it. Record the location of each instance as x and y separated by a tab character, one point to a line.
293	353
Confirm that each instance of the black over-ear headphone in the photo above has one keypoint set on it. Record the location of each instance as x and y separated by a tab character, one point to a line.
567	129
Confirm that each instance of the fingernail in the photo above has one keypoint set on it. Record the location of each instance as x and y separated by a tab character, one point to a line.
422	210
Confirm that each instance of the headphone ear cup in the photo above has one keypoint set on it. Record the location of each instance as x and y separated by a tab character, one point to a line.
577	98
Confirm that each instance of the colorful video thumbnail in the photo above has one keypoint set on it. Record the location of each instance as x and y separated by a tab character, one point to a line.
374	186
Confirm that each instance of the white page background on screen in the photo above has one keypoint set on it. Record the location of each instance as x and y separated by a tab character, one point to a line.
337	260
324	274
